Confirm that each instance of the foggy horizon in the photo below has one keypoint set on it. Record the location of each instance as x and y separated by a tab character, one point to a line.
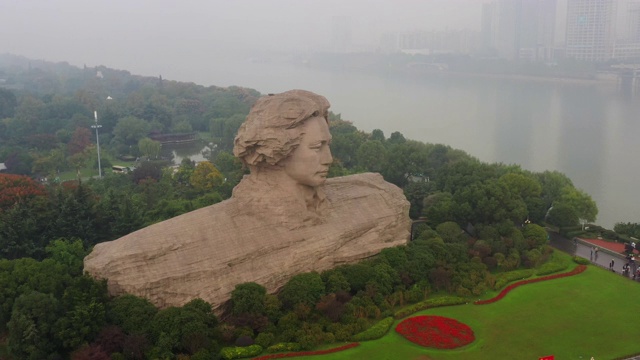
154	38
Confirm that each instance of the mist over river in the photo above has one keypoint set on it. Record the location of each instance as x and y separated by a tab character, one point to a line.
590	132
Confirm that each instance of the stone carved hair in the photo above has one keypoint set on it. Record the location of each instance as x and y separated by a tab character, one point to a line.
271	131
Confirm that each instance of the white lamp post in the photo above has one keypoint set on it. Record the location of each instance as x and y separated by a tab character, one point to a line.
96	126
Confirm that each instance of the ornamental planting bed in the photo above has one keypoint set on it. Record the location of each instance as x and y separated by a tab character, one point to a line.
435	332
577	270
307	353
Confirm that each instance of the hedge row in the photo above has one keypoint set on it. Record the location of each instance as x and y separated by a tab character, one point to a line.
505	278
578	269
238	352
376	331
429	303
580	260
551	268
282	347
307	353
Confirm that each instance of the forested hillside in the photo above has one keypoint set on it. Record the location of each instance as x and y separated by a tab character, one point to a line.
480	220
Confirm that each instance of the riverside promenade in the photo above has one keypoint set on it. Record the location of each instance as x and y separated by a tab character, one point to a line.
607	251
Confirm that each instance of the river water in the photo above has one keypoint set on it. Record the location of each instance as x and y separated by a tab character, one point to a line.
590	132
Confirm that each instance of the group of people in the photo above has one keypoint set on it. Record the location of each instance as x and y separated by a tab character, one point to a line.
629	269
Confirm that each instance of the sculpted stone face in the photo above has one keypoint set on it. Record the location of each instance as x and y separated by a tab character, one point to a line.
283	218
309	163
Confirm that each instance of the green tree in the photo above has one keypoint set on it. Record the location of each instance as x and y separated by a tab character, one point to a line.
580	202
82	312
149	148
31	328
131	313
206	177
248	298
183	329
562	215
377	134
305	288
129	130
535	235
8	103
451	232
79	161
68	252
372	155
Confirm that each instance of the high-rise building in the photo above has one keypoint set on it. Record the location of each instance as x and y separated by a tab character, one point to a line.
633	22
520	29
590	32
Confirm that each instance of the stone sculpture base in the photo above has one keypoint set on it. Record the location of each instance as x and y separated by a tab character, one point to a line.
206	253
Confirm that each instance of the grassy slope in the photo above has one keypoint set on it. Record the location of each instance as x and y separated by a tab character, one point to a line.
577	317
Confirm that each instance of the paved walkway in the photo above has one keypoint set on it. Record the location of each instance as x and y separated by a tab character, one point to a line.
607	251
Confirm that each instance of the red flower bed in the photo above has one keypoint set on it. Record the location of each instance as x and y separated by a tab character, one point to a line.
578	269
307	353
435	332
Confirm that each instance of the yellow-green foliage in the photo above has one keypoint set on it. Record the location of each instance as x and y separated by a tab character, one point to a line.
376	331
505	278
236	352
206	176
281	347
430	303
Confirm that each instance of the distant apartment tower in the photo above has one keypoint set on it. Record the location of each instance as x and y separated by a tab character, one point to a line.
633	22
590	32
627	46
341	34
519	29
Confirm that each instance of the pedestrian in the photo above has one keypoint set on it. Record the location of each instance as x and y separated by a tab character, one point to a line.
591	253
611	265
625	269
596	253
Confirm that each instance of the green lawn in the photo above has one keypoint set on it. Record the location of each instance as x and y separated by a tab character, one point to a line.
577	317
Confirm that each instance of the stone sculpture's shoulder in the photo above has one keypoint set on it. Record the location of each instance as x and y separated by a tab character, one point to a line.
362	183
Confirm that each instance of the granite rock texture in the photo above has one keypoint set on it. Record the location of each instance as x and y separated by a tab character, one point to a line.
205	253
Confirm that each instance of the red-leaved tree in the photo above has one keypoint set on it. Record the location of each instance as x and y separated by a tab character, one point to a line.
17	188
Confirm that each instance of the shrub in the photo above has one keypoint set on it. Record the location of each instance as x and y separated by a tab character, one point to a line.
235	352
505	278
463	291
572	234
265	339
610	234
429	303
581	260
577	270
281	347
550	268
307	353
376	331
554	265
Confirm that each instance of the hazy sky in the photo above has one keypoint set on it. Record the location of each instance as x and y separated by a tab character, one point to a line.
146	36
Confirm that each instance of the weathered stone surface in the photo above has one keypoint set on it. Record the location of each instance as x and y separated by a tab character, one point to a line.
205	253
283	219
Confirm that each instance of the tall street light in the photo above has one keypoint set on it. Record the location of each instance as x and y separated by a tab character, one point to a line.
96	126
